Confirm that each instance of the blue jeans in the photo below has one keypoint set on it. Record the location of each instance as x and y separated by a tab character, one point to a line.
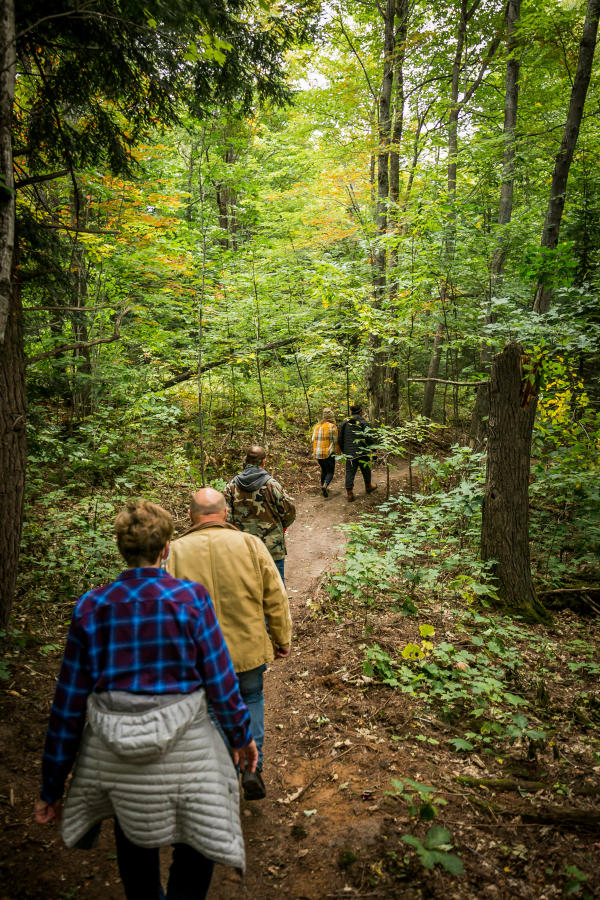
251	689
280	563
139	867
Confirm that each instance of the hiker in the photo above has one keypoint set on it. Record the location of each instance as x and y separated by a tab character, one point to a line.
258	504
325	446
143	654
356	440
246	589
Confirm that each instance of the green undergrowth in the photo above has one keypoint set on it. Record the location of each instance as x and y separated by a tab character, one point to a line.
489	678
427	543
475	682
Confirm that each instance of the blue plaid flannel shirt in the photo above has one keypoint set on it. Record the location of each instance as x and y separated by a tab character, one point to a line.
146	633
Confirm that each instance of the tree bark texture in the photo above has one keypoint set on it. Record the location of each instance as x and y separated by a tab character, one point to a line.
511	102
7	196
505	522
13	450
564	157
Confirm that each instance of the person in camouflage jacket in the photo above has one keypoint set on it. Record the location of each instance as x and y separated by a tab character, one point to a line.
258	504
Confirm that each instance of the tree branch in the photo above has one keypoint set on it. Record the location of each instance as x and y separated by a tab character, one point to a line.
493	46
350	44
224	360
458	383
79	345
36	179
76	230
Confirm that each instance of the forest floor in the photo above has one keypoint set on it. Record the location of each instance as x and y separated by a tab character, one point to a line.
334	740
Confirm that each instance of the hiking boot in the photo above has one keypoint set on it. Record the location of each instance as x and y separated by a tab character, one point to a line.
324	491
370	488
253	785
351	496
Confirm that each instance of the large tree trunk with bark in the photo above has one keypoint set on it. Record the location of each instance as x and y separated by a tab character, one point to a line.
13	451
505	529
7	196
511	98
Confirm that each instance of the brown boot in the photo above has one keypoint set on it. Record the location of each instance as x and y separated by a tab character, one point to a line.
350	496
370	488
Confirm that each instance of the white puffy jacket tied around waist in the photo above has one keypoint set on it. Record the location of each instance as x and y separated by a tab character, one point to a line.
160	766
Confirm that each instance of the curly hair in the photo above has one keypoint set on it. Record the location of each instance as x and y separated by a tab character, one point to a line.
142	530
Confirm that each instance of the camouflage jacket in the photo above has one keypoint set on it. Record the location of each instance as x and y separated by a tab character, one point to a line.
258	504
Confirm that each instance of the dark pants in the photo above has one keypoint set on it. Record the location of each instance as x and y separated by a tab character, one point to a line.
327	469
280	563
352	465
139	867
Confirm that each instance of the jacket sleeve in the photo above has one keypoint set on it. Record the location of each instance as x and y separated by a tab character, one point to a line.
336	443
275	601
285	506
229	494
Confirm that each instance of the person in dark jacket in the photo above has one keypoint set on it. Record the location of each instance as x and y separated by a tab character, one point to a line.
257	503
356	440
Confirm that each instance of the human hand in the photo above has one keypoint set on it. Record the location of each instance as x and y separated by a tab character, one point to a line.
246	757
48	812
282	652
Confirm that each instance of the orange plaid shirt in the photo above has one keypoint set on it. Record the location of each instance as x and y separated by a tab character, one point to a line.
325	440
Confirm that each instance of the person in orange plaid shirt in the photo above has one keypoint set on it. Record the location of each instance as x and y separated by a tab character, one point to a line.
325	446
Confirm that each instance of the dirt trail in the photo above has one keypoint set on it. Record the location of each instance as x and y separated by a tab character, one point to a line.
293	851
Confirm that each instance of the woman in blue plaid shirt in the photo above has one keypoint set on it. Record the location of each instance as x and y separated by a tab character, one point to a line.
148	643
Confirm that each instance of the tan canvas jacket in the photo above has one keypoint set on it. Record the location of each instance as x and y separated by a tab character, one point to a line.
244	585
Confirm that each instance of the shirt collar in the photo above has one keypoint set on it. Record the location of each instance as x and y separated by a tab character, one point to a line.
142	572
202	525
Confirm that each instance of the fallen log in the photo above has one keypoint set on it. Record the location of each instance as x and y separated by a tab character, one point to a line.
502	784
580	599
567	818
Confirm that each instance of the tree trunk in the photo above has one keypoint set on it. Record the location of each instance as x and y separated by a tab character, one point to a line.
505	523
564	157
7	196
376	373
13	450
433	371
511	97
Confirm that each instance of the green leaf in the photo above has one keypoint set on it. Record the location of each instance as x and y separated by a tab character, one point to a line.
426	630
460	744
437	836
451	863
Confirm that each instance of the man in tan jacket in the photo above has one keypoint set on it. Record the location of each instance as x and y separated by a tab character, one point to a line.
245	587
